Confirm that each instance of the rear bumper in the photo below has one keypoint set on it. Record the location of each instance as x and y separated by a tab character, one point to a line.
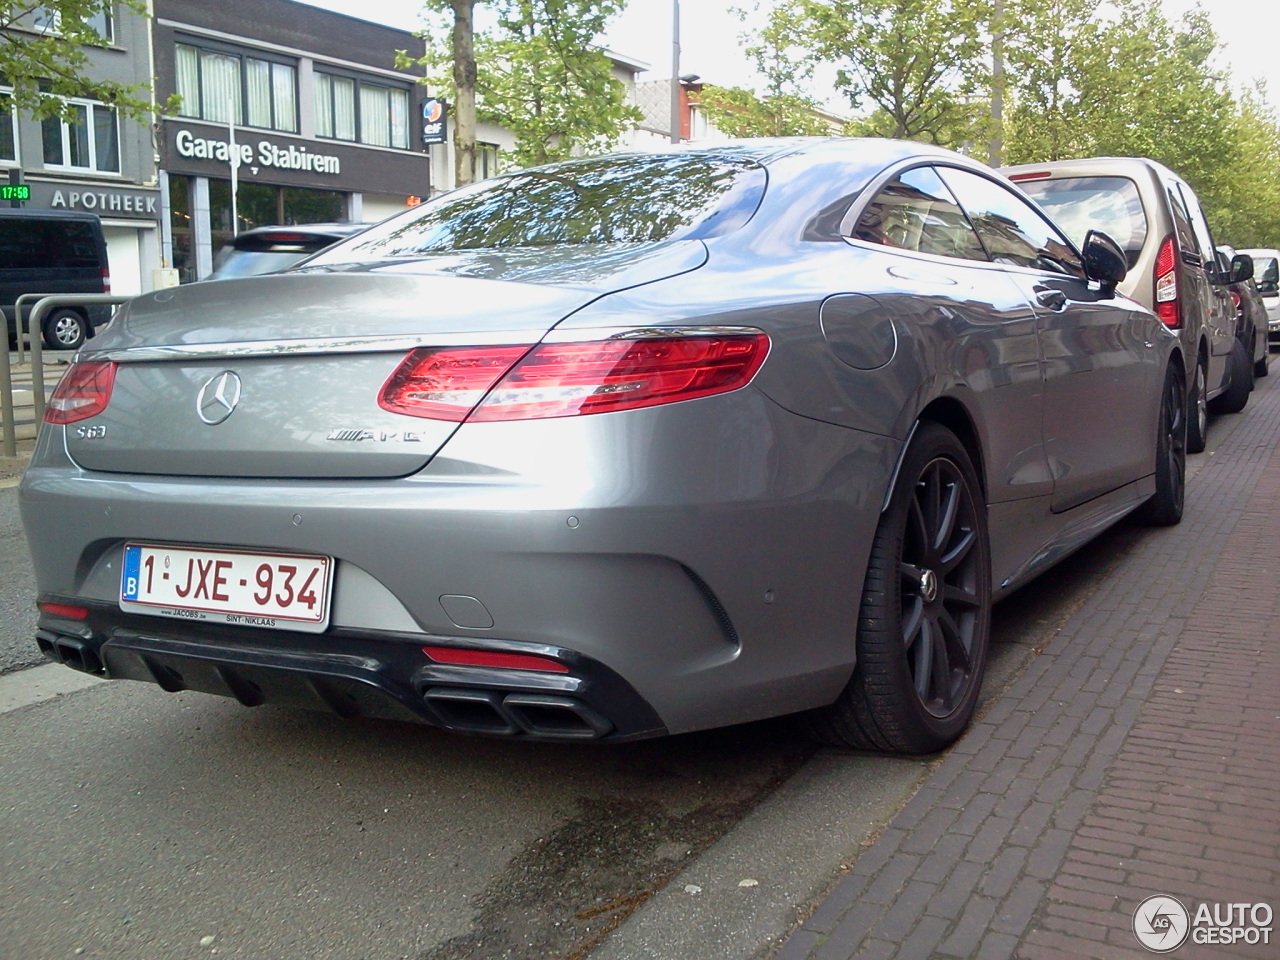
381	676
715	579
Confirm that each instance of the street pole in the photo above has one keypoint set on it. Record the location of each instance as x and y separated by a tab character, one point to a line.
233	157
675	71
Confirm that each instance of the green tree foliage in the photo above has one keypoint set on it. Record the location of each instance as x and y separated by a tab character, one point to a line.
908	66
784	110
738	112
42	52
538	74
1120	79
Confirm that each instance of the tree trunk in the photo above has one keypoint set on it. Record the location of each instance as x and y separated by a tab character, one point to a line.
464	83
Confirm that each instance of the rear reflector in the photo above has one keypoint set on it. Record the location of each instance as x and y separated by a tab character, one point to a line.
84	391
570	379
494	658
1168	304
64	610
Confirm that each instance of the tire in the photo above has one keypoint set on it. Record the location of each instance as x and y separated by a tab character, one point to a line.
65	330
1197	411
1260	368
1234	398
1164	508
925	617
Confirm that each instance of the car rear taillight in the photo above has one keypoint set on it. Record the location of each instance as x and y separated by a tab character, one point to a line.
1168	303
570	379
1038	175
106	280
84	391
1236	299
446	383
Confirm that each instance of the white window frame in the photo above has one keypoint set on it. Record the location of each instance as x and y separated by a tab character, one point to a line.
12	120
50	22
398	137
91	128
277	103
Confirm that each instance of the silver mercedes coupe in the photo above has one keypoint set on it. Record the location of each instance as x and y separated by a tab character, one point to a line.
613	448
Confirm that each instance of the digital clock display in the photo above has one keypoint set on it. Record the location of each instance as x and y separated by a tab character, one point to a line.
15	191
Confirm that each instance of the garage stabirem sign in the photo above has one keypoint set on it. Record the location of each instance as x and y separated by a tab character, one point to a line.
435	121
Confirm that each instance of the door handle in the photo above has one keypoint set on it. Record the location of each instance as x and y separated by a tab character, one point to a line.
1053	299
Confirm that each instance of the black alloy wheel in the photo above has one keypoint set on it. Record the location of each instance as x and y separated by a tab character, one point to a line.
925	617
1164	508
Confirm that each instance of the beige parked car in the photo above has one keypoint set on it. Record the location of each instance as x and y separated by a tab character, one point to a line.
1173	269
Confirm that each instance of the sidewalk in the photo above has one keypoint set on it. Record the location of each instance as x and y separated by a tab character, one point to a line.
1136	756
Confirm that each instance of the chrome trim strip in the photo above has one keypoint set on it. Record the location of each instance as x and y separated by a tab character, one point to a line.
395	343
587	334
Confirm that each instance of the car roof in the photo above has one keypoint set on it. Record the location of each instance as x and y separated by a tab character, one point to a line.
23	213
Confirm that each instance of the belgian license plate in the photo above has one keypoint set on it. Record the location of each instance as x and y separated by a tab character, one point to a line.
284	591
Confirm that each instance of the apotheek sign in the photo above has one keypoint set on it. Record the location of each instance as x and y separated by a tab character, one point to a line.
105	201
262	153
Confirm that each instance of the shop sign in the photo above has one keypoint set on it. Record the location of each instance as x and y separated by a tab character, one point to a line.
435	121
263	154
102	200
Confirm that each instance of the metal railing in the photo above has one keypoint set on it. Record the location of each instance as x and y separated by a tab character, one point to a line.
43	303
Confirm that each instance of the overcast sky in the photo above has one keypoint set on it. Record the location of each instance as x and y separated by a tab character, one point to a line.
709	43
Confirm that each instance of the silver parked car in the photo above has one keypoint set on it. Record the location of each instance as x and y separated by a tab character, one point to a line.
1173	268
613	448
1266	273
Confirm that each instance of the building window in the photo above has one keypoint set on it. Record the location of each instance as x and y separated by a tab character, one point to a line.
221	86
349	109
49	20
8	132
89	141
486	160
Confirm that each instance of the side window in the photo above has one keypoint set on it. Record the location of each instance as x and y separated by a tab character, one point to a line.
1182	224
1013	231
917	212
1198	223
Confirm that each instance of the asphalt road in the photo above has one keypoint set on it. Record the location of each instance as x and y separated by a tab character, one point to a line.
141	825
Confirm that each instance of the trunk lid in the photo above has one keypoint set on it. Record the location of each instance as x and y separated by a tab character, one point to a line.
279	375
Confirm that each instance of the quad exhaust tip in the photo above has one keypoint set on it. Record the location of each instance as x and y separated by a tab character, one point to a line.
71	651
490	712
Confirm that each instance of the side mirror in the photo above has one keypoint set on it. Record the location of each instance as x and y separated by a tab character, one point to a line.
1241	268
1103	259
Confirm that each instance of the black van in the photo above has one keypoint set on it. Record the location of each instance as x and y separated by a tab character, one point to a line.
54	251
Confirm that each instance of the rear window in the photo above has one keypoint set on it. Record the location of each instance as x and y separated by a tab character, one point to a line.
605	200
39	244
1081	204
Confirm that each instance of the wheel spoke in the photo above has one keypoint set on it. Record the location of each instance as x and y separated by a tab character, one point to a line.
962	596
948	511
925	660
912	621
956	555
955	641
941	681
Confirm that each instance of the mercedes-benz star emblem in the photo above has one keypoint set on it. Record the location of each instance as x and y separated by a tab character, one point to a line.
218	397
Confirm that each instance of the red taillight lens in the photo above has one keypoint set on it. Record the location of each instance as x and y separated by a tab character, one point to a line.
446	383
570	379
84	391
494	658
1038	175
106	280
1168	303
1236	299
64	610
